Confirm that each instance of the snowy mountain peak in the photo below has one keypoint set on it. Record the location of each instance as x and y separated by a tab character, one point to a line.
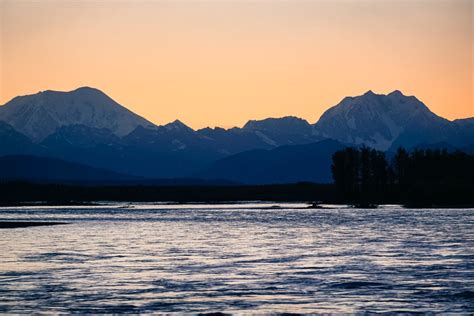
377	120
39	115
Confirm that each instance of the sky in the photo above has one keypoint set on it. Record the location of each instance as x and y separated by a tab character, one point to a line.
221	63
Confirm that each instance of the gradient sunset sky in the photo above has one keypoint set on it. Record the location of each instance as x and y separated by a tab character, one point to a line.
221	63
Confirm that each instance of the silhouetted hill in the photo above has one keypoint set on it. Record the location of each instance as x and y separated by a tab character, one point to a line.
12	141
34	168
57	171
285	164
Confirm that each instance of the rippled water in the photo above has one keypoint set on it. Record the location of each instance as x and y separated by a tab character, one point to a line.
237	258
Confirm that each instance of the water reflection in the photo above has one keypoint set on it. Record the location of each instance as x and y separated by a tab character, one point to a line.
236	258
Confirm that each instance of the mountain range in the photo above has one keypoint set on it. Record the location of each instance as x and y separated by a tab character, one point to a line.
87	127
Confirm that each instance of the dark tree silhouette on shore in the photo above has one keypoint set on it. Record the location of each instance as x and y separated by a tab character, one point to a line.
361	175
365	177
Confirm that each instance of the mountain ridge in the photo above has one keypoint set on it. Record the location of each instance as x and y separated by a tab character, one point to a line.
39	169
250	124
141	148
285	164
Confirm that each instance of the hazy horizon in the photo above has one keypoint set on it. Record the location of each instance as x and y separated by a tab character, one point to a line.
224	63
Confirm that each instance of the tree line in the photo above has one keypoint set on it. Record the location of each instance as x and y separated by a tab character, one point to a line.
19	193
422	177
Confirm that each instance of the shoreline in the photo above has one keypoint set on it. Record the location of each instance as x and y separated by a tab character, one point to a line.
24	224
311	204
34	194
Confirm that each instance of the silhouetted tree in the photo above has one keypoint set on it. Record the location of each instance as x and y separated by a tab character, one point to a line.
423	177
361	175
345	173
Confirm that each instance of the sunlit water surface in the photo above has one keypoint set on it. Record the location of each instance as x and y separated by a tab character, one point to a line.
237	258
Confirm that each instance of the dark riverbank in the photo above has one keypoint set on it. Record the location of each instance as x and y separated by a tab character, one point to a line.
23	193
28	194
17	224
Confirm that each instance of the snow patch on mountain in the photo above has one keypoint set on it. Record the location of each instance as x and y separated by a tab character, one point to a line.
178	144
266	139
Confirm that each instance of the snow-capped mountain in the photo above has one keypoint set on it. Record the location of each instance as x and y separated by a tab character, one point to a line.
383	121
39	115
86	126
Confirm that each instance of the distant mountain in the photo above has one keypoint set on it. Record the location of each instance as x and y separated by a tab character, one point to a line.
39	115
141	153
463	134
382	121
285	164
283	125
178	126
85	126
52	170
213	143
234	140
282	131
12	141
90	146
44	169
81	136
466	122
174	136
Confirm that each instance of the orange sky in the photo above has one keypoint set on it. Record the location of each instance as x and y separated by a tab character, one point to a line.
222	63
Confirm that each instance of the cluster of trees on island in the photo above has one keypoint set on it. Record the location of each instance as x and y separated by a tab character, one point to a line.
422	177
